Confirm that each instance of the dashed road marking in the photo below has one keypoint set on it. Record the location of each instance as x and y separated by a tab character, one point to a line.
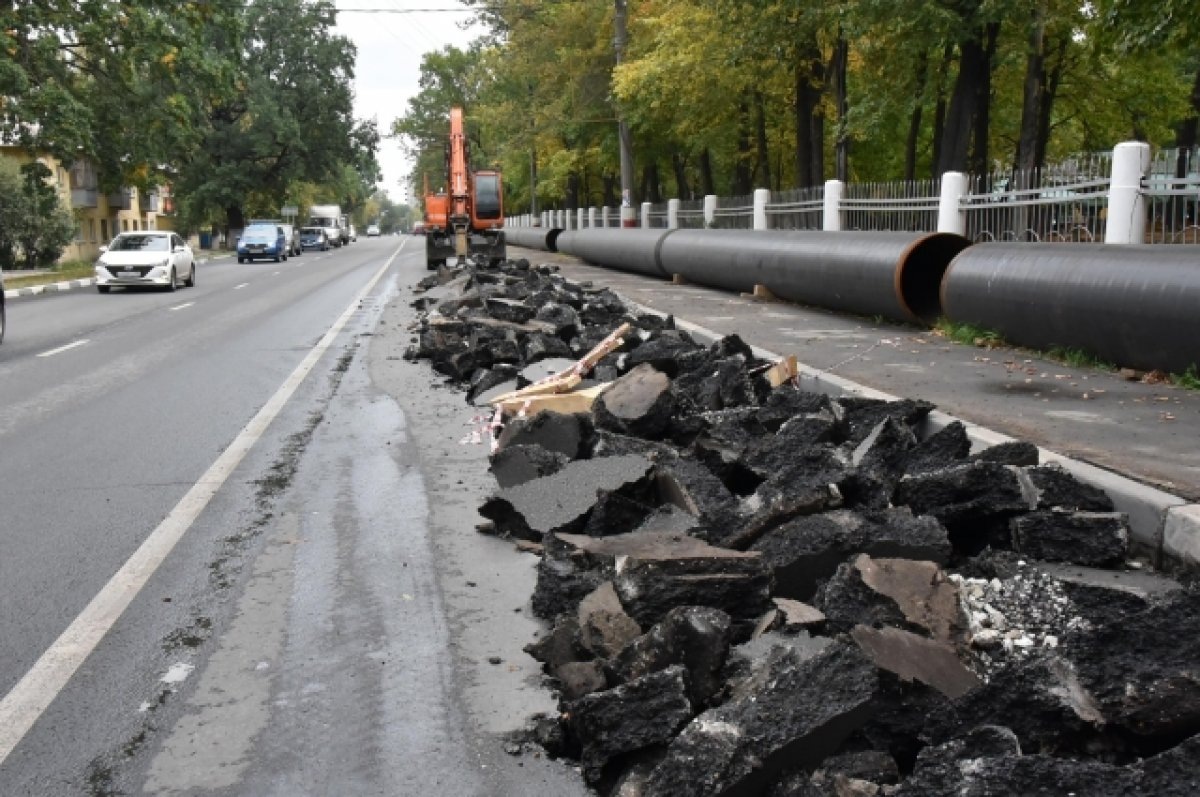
61	349
239	287
181	306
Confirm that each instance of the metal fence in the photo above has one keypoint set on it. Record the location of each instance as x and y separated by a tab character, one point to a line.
734	213
691	214
1172	194
907	205
797	209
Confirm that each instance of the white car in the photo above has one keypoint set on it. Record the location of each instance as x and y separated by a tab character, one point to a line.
146	258
372	230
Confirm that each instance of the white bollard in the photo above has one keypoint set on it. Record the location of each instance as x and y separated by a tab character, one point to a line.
1126	203
604	216
951	216
579	218
591	217
672	214
761	197
831	211
645	215
710	210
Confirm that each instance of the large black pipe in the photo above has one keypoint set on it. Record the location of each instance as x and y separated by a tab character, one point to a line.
541	238
1135	306
633	249
892	274
896	275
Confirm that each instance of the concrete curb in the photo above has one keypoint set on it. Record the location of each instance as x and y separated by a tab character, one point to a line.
53	287
56	287
1165	526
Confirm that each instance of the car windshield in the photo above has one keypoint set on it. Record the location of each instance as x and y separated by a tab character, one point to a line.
261	229
141	243
310	231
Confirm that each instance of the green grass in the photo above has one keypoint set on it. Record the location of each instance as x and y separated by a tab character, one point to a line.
61	273
1078	358
968	334
1189	379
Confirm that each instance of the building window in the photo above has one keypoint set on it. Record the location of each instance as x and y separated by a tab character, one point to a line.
103	229
92	230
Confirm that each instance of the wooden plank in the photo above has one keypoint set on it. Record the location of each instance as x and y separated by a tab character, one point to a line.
555	384
566	403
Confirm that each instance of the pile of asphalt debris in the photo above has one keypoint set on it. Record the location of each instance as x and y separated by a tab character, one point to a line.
755	589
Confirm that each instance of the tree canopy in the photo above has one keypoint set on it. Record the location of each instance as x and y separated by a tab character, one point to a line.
238	105
727	95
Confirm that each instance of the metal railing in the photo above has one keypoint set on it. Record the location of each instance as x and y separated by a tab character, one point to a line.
734	213
691	214
1172	192
797	209
907	205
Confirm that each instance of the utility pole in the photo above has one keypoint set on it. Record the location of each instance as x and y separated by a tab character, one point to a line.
628	212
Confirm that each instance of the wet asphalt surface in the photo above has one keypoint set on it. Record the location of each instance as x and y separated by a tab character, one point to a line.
332	623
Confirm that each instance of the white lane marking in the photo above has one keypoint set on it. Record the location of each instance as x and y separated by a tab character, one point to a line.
181	306
239	287
61	349
276	273
22	707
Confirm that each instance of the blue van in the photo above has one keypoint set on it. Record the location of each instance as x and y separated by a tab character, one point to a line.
263	240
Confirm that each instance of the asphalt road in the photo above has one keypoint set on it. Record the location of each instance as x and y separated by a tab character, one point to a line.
239	552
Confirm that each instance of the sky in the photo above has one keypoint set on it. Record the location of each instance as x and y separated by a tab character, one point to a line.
392	36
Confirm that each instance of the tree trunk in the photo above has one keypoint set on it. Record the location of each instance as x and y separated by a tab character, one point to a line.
612	183
235	219
964	106
939	111
708	186
810	169
1049	94
763	157
572	193
914	120
980	160
742	178
1031	95
679	166
838	76
651	185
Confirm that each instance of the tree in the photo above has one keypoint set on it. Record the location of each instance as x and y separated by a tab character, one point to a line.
34	226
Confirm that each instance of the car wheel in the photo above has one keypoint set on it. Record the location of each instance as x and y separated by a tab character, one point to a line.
241	260
190	282
173	284
276	258
104	288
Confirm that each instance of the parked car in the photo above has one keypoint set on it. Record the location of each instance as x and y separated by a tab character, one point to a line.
146	258
418	228
290	233
313	238
372	230
263	240
2	318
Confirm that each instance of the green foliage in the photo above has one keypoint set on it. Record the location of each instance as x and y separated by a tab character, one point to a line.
34	226
968	334
1189	379
1078	358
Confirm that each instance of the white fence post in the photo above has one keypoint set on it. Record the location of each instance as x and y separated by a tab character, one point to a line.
592	216
951	216
604	216
761	197
580	216
831	211
1126	203
645	215
710	210
672	214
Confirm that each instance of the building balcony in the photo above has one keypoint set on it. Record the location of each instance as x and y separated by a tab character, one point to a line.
84	197
120	200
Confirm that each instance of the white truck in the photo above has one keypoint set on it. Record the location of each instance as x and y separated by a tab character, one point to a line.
330	219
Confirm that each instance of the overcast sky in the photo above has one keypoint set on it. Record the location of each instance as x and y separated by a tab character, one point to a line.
391	42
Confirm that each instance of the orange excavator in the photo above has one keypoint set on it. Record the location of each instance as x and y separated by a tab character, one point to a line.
467	217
